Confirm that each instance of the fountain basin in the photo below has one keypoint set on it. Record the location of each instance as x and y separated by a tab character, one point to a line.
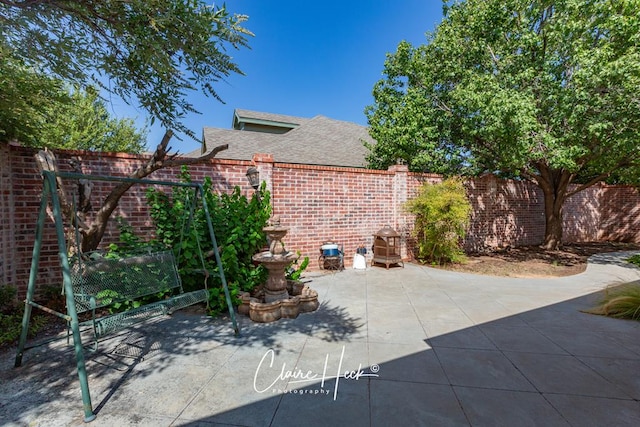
304	300
290	308
275	233
245	300
264	312
308	300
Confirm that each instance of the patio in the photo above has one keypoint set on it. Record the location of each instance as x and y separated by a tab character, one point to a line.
420	346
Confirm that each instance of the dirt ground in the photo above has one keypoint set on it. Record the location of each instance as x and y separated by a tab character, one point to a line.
532	261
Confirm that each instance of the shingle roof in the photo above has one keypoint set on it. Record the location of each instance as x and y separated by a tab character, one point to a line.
316	141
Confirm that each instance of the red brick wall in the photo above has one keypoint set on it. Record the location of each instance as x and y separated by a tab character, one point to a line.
583	215
505	213
316	203
330	204
620	207
20	192
7	228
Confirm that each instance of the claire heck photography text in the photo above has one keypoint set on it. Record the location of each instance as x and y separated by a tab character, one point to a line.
273	377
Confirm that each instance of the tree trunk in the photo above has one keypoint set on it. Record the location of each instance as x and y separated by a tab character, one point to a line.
160	159
554	185
553	223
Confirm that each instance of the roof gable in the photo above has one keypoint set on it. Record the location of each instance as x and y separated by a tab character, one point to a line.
241	118
317	141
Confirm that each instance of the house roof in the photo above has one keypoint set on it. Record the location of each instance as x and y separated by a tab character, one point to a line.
316	141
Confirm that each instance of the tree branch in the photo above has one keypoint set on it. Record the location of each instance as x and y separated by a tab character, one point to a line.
545	179
588	184
184	161
159	160
530	176
494	58
604	175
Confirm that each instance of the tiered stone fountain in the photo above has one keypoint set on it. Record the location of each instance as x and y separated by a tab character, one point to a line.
280	298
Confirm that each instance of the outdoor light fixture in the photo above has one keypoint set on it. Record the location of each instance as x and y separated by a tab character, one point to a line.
254	177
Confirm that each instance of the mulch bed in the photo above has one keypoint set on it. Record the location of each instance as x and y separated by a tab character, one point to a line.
533	261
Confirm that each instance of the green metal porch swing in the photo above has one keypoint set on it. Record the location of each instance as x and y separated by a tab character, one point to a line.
90	284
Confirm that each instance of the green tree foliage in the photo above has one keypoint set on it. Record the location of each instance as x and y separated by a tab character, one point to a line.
152	52
23	97
442	217
541	90
85	124
41	111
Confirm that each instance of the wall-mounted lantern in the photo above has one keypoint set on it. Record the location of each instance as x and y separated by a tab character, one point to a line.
253	176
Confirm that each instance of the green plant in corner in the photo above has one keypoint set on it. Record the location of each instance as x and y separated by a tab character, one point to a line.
11	317
237	222
442	216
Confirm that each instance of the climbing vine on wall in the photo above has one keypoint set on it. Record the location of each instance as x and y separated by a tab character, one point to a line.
237	222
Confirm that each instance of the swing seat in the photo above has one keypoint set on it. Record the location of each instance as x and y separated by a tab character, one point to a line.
122	284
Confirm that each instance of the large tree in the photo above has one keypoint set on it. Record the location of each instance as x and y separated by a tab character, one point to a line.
543	90
41	111
150	52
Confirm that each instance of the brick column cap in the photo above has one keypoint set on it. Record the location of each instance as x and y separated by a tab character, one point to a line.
262	158
398	168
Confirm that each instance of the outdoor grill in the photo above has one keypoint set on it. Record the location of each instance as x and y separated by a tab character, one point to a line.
386	247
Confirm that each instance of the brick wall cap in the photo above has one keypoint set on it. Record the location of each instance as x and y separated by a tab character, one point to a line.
262	158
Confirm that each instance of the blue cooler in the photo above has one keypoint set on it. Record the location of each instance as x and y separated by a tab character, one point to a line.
330	249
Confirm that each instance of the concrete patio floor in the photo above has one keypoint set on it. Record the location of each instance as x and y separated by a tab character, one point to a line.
419	346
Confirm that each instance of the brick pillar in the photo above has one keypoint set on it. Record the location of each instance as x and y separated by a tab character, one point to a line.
400	197
264	164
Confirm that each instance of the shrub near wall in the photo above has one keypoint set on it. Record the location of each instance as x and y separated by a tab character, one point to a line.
441	219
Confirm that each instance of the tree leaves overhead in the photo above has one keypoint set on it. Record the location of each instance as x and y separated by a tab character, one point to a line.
153	52
23	95
407	125
512	85
544	90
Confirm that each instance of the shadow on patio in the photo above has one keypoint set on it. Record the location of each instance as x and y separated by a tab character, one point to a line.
549	366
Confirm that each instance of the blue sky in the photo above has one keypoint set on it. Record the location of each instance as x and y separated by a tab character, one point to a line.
307	58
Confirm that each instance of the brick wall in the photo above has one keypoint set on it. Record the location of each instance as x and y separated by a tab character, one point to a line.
620	211
316	203
7	244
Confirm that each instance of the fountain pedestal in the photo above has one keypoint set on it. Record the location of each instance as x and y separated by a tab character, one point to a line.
276	286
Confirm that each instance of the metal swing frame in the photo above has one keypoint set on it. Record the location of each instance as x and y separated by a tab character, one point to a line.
50	195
